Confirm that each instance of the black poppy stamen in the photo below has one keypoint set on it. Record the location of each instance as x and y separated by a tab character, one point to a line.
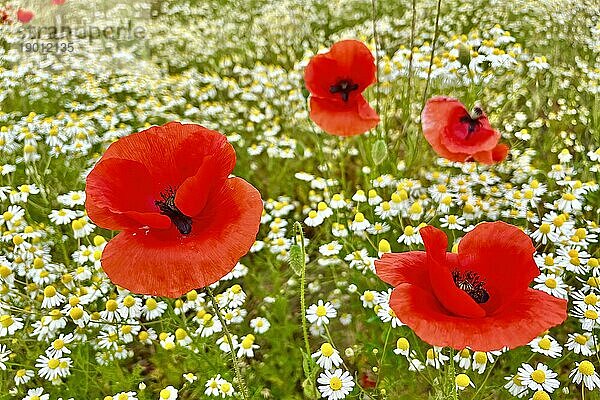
167	207
472	120
471	284
344	87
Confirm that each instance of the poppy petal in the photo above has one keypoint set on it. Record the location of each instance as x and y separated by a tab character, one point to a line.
457	138
409	267
434	119
108	202
534	313
493	156
353	119
507	265
484	157
354	61
454	299
166	263
183	148
193	193
320	74
500	152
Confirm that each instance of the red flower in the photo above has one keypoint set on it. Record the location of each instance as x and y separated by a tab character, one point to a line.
459	136
184	223
336	80
58	2
24	16
479	298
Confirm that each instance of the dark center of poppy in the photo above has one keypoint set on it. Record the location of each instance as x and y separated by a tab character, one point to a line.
167	207
472	120
344	87
470	283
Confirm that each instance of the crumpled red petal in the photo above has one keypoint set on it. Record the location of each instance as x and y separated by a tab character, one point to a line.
167	263
507	265
439	266
534	313
355	118
409	267
182	149
109	202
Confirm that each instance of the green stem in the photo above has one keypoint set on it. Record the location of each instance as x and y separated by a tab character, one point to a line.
484	380
234	359
433	43
375	39
387	337
412	44
300	238
452	376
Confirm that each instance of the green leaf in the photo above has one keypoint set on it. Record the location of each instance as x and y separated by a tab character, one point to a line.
296	261
379	151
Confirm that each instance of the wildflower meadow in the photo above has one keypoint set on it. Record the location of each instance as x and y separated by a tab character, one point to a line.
299	199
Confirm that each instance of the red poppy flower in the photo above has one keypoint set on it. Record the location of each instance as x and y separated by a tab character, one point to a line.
479	298
336	80
184	223
24	16
459	136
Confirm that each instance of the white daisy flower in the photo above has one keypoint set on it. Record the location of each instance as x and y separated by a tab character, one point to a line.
547	346
320	313
260	325
585	372
168	393
327	357
540	378
335	385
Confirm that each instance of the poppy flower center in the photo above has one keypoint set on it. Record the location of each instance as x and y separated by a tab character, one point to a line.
470	283
343	87
472	121
167	207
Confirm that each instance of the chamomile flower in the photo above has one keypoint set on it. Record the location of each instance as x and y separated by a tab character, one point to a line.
547	346
9	324
585	372
335	385
73	198
22	376
462	381
313	219
36	394
360	223
247	346
58	347
515	386
581	343
4	356
402	347
153	309
327	357
260	325
320	313
51	368
551	284
540	378
452	222
168	393
223	343
463	358
226	389
52	298
212	385
368	299
436	358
